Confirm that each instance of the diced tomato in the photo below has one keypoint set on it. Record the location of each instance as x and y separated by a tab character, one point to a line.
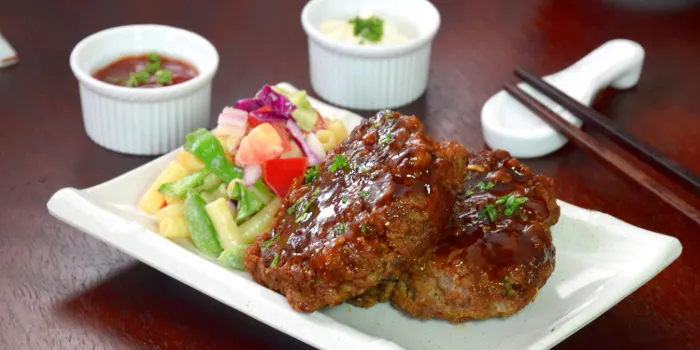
261	143
279	174
252	122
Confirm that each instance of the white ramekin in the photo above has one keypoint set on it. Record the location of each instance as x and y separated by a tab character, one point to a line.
143	121
366	76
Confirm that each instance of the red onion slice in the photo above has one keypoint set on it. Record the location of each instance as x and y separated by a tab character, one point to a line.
267	115
251	174
278	102
232	121
315	146
249	104
299	138
232	205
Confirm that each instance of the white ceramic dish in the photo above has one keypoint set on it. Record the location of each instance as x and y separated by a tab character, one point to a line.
508	125
600	260
143	121
366	76
8	55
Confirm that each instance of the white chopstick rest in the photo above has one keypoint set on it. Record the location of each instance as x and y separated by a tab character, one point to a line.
8	55
508	125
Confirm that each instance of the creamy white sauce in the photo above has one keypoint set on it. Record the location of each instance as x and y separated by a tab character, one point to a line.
343	31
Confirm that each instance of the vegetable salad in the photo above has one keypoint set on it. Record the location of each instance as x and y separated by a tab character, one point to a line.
224	189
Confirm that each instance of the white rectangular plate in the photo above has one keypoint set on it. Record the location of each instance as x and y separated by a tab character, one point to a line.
600	260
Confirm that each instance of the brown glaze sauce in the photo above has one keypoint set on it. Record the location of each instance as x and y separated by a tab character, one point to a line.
344	208
521	238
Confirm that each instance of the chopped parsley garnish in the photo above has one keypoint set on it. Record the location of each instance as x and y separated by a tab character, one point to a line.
469	193
364	194
370	29
489	211
300	209
339	162
387	113
311	174
386	139
275	260
162	76
340	228
266	244
485	186
363	228
137	78
503	199
372	128
345	199
153	66
302	216
511	203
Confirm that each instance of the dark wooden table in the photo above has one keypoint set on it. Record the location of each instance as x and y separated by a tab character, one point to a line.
60	289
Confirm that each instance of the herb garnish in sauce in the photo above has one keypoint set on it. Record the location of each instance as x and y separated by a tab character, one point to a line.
311	174
485	186
275	260
162	76
512	202
489	211
266	244
300	208
386	139
339	162
340	228
302	211
370	29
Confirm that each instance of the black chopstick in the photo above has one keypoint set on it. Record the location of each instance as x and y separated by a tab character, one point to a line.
640	149
593	147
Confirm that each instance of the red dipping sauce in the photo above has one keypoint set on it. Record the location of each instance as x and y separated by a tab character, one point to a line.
146	71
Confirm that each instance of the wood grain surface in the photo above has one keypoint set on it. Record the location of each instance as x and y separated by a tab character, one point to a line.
60	289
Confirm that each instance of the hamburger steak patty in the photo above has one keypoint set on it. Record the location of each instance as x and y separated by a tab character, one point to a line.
499	248
450	177
374	209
